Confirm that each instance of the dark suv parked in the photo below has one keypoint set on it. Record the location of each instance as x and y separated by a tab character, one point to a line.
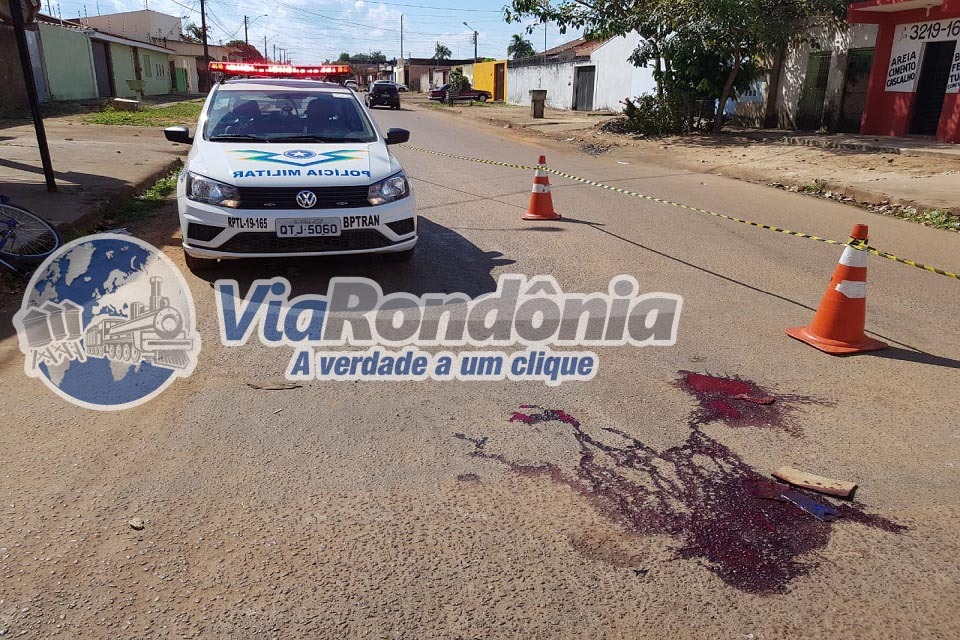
383	93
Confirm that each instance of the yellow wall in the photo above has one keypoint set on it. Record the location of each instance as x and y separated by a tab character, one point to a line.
483	75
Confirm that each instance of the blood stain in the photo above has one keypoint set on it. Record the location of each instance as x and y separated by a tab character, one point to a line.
718	508
739	403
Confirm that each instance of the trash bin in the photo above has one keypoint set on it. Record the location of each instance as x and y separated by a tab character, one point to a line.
538	97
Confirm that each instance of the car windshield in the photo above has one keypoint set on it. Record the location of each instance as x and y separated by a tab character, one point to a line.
321	116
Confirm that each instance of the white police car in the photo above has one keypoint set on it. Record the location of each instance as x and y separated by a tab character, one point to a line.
284	168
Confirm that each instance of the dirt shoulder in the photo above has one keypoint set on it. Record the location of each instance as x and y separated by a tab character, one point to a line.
874	173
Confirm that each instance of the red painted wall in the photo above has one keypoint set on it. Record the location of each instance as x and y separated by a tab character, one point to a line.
888	113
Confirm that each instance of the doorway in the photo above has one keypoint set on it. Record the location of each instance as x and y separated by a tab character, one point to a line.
934	73
810	109
101	68
859	62
499	80
583	88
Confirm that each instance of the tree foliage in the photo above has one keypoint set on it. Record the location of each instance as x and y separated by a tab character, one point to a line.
441	52
248	52
520	47
374	57
194	33
699	48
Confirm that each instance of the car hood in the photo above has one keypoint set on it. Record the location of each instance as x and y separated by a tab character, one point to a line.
294	164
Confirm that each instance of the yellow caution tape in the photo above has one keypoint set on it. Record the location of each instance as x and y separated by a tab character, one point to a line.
856	244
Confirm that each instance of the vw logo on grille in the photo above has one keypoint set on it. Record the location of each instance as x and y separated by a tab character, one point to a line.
306	199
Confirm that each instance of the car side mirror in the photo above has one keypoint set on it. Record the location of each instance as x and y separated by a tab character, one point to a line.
178	134
397	136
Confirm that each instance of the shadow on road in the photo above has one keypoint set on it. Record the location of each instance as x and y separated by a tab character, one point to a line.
919	357
445	262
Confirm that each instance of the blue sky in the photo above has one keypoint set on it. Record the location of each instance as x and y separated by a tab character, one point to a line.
314	30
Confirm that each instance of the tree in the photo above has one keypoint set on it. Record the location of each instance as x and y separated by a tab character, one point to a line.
248	52
441	52
377	57
344	57
682	37
456	83
194	33
520	47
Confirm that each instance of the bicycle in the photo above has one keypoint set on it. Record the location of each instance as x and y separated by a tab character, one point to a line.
25	238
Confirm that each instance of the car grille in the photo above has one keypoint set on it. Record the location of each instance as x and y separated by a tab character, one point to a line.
401	227
351	240
286	197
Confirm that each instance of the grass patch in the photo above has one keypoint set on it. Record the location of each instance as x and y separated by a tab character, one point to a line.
930	217
142	205
818	186
179	113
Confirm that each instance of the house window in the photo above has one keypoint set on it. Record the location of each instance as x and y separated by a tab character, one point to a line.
147	66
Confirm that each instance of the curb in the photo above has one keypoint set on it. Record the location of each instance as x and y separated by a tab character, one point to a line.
866	147
99	207
875	198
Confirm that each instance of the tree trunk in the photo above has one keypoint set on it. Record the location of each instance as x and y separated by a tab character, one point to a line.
727	89
658	69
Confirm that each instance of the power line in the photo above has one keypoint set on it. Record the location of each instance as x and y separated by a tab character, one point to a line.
421	6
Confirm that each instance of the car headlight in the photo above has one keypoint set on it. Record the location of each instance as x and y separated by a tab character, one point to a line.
210	191
393	188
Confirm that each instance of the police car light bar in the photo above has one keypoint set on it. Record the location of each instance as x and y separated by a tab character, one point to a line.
267	69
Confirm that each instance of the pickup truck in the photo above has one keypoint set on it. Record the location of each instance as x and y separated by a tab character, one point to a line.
467	93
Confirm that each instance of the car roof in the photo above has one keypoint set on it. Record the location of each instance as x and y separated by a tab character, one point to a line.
280	83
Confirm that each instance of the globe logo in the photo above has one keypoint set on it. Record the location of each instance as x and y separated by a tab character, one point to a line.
107	323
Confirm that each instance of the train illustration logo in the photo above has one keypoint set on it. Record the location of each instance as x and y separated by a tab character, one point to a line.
154	332
107	323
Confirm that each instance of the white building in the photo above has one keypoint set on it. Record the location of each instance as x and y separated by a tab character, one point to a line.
582	75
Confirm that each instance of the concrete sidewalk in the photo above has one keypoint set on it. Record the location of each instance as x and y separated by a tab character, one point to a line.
96	166
515	116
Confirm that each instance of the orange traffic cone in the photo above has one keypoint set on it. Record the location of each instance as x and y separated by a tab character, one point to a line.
541	202
837	327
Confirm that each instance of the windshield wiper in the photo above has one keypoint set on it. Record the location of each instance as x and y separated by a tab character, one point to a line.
236	136
310	138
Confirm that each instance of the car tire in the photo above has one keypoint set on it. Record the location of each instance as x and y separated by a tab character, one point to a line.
482	98
399	256
197	265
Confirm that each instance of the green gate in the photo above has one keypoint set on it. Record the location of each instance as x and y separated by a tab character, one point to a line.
810	111
180	79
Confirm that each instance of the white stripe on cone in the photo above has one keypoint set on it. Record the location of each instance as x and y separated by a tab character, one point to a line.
853	258
541	188
540	173
853	288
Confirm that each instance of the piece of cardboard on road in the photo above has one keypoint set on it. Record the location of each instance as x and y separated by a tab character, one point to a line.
820	484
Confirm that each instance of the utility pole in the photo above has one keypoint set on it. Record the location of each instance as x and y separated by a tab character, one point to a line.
19	30
246	34
274	52
266	54
206	49
475	37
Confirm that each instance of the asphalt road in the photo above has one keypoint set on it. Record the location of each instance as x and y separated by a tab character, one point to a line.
633	509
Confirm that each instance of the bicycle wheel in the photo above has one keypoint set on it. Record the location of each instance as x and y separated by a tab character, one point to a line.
25	238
